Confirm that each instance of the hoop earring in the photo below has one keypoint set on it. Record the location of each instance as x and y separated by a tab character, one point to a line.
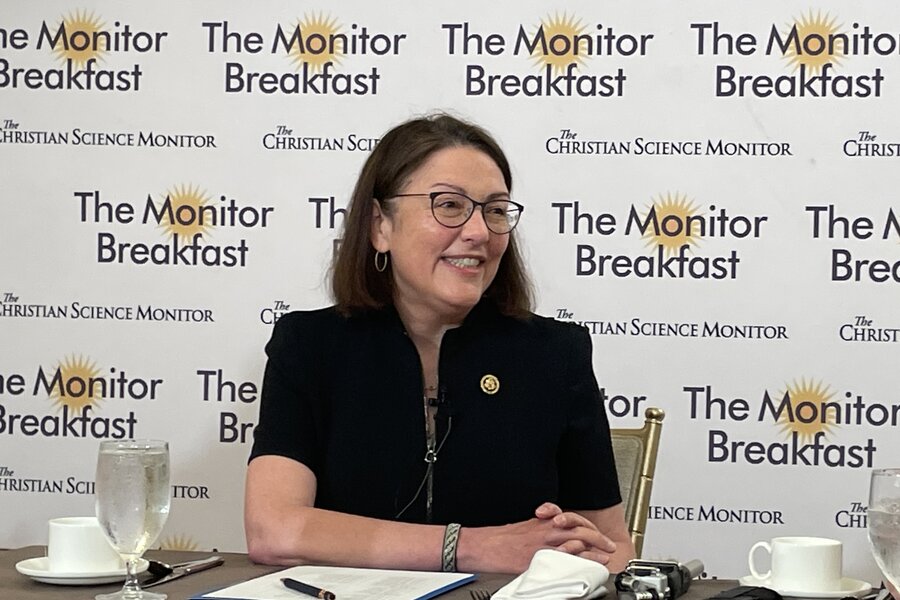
384	263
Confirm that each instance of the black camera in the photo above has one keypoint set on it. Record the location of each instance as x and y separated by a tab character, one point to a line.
656	579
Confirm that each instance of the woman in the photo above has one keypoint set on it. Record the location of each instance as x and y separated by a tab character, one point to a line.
429	420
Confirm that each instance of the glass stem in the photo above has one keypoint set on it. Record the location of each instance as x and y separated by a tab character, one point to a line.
132	588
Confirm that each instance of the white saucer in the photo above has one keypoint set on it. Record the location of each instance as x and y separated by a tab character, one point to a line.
848	587
39	570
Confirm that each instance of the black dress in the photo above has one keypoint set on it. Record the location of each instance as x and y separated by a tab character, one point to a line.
343	396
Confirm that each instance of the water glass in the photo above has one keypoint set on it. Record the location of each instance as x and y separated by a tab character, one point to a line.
132	492
884	522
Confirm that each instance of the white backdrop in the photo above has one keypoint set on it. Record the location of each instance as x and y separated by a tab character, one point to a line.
741	116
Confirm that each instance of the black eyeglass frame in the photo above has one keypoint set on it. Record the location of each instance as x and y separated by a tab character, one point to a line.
475	203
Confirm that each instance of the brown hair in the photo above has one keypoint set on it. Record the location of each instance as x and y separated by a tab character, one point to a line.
355	283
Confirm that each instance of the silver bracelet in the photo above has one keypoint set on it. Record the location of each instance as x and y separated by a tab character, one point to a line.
448	553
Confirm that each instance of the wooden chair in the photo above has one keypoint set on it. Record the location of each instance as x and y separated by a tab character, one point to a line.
635	451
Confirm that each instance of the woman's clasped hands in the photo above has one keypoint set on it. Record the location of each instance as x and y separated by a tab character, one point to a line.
573	533
509	548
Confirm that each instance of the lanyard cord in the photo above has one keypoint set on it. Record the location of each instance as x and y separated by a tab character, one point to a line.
431	456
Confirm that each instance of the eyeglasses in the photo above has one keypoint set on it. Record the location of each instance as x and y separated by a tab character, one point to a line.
452	209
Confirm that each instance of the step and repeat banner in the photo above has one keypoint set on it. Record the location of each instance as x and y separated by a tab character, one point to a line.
711	188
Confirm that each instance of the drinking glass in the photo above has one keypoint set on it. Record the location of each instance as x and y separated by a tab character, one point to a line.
884	522
132	491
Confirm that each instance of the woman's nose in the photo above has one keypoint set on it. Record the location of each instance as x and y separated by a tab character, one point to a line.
475	228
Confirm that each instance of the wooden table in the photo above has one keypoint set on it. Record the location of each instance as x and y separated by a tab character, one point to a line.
237	568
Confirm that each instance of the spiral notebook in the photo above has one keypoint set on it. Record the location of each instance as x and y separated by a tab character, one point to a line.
346	583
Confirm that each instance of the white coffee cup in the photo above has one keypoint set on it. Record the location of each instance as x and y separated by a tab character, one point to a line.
801	564
77	545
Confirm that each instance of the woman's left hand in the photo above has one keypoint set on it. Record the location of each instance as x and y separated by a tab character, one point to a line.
612	545
599	550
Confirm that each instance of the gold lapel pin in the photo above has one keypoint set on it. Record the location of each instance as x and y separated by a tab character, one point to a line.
490	384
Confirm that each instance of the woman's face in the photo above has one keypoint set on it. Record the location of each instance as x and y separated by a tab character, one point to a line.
438	271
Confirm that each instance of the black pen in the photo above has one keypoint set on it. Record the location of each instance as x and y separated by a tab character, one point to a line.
305	588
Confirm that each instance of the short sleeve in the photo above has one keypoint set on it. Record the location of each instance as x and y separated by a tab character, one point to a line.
289	411
587	468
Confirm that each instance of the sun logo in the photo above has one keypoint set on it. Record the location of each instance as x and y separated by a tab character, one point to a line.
79	46
808	400
182	212
317	42
179	542
74	389
670	224
811	48
558	43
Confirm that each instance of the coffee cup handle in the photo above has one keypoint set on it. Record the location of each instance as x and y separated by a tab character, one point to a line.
756	574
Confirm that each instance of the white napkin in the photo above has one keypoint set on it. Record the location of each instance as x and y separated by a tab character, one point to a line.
554	575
